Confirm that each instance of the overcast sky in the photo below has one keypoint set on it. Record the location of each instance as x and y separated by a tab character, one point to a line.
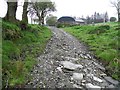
76	8
83	7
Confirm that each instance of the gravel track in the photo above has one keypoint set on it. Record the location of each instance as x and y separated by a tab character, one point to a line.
66	63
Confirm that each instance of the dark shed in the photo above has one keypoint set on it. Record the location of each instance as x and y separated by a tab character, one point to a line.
66	19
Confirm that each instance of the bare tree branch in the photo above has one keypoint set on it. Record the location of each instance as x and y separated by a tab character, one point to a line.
116	5
41	9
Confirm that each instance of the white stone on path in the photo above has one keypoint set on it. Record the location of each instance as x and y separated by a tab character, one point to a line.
77	76
90	86
59	69
97	79
81	55
69	65
76	86
99	66
70	58
88	56
85	57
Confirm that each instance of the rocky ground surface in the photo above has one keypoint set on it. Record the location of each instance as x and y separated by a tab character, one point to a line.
66	63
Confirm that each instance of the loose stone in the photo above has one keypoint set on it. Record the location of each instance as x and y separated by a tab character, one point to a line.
77	76
70	65
97	79
90	86
109	79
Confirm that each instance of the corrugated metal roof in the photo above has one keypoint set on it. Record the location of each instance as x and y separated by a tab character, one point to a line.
79	20
66	19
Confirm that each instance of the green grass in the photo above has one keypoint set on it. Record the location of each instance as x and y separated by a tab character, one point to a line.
20	49
103	42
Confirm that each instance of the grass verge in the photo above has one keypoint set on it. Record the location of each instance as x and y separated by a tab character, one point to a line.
20	49
103	41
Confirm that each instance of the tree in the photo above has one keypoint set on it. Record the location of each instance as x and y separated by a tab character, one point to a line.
92	18
11	13
113	19
12	8
116	4
106	17
25	12
42	9
88	20
95	16
51	20
99	18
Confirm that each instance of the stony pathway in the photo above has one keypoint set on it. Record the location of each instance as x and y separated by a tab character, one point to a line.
67	64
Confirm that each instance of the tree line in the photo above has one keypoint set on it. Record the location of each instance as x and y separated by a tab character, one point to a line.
97	18
40	9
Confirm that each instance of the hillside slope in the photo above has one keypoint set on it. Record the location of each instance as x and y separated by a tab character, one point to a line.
20	49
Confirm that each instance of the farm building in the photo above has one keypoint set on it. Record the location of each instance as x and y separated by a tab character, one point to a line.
66	19
71	20
79	21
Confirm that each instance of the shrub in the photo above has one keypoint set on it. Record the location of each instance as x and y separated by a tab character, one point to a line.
59	25
113	19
